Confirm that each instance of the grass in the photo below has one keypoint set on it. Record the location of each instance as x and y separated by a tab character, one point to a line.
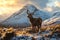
19	32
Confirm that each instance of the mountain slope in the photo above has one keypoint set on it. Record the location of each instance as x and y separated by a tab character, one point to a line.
20	17
54	20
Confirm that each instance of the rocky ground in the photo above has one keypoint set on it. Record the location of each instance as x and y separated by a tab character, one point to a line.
46	33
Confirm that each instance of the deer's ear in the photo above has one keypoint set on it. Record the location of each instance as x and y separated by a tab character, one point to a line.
28	11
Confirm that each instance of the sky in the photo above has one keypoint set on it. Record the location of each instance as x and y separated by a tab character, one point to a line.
48	5
8	7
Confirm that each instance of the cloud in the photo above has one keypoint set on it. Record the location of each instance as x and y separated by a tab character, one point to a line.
40	3
8	7
47	5
12	3
57	4
49	9
53	3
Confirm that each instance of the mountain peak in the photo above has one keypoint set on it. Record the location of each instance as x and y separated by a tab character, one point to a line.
29	5
20	17
56	13
55	19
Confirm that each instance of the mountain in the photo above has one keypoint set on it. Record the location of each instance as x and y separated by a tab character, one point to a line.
53	20
20	18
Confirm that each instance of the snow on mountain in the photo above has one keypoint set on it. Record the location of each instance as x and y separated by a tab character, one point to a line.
20	17
53	20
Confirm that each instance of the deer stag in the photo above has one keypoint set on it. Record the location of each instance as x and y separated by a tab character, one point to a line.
35	22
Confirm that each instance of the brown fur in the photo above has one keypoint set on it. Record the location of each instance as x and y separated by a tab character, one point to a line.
36	22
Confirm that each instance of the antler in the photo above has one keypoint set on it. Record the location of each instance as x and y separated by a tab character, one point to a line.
27	11
34	11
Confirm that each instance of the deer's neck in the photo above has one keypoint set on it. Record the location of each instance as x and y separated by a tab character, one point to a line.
31	18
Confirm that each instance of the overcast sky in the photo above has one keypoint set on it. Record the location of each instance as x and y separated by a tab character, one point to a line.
11	6
49	5
8	7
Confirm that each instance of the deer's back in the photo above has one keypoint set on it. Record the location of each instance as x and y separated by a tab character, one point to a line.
36	21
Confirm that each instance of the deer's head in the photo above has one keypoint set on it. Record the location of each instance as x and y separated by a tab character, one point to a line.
30	14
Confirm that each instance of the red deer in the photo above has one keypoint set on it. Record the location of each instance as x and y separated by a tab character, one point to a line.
35	22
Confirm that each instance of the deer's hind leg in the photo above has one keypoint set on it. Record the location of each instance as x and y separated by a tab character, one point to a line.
39	28
33	29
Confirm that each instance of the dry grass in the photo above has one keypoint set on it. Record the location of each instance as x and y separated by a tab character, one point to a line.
18	32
